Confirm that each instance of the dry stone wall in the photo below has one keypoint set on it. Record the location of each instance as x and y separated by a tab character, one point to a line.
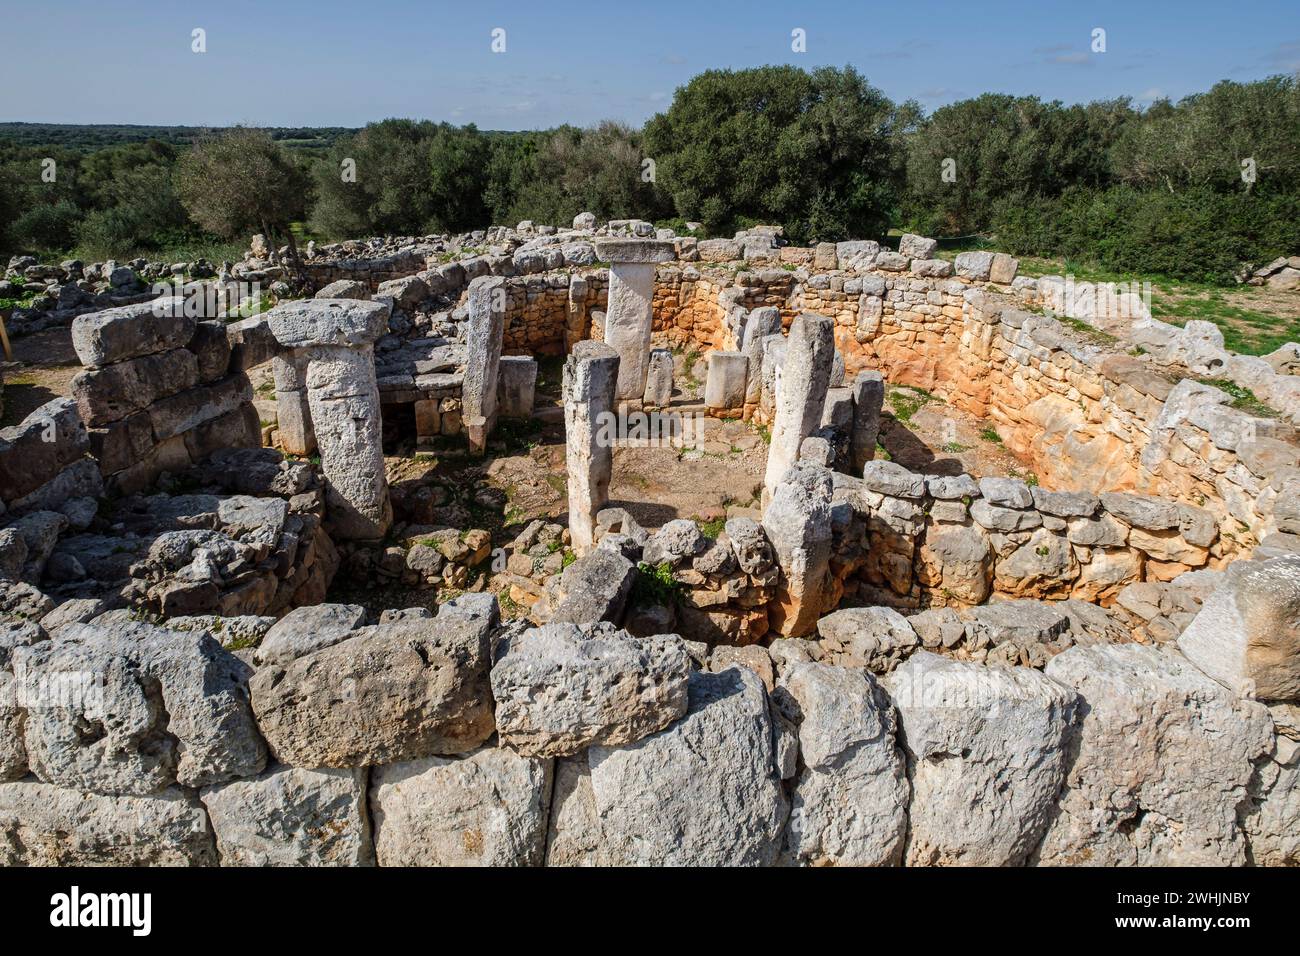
457	741
160	391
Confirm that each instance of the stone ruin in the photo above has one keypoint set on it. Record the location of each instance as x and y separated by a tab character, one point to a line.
879	666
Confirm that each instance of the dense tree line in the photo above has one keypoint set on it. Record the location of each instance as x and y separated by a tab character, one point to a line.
1187	189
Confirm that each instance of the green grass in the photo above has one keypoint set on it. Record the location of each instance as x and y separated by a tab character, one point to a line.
954	448
711	529
1094	335
990	434
1243	398
1244	330
906	401
655	585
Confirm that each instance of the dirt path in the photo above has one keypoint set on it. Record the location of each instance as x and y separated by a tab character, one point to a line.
43	367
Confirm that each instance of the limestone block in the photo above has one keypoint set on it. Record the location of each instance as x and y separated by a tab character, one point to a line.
1150	786
1247	634
659	379
798	524
307	629
485	809
988	751
724	389
107	394
517	385
44	825
849	806
393	692
161	706
703	792
804	377
560	688
348	323
130	331
289	816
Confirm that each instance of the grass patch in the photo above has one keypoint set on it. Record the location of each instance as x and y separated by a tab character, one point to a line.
655	585
954	448
1243	399
990	434
710	529
1094	335
906	401
1245	330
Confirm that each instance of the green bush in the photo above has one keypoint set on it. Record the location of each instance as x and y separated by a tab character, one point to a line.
46	227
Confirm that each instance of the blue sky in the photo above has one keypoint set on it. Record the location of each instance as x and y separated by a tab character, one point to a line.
346	62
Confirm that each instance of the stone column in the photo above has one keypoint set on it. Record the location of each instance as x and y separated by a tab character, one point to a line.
659	380
868	397
483	339
590	374
629	315
762	323
798	523
724	388
292	412
800	393
517	386
335	338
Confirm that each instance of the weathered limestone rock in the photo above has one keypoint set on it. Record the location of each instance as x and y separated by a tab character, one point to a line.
560	688
868	398
704	792
343	396
957	561
628	318
288	816
135	709
877	638
590	374
485	809
47	440
292	408
762	324
517	386
392	692
1164	758
484	336
1247	634
724	389
130	331
1272	820
798	524
594	588
307	629
917	247
850	801
800	394
44	825
573	835
659	379
986	755
344	289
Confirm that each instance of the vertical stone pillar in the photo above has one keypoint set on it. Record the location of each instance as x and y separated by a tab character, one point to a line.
800	393
576	324
517	386
724	388
762	323
483	340
292	412
590	374
335	338
868	397
629	315
659	380
798	523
